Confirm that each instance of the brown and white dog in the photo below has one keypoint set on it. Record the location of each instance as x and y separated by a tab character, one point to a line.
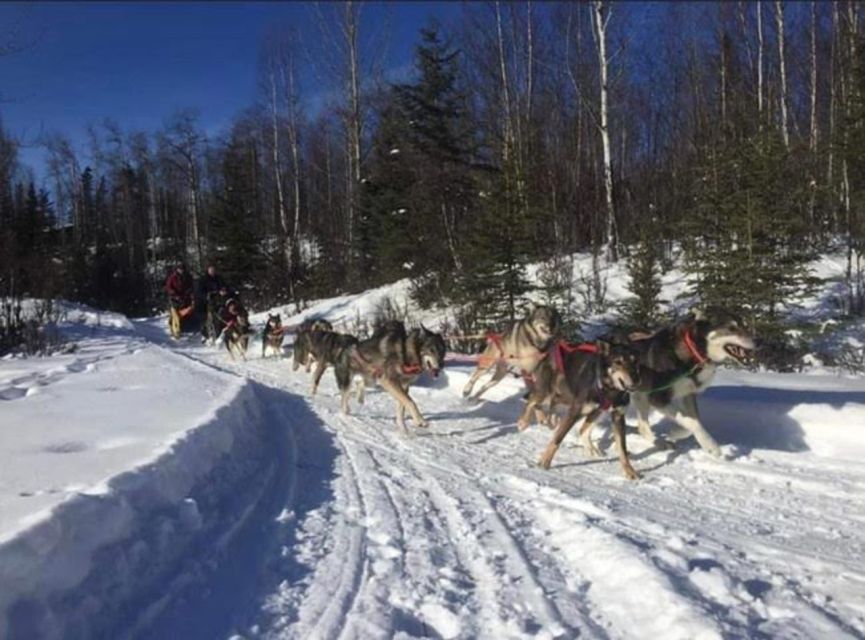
587	379
521	347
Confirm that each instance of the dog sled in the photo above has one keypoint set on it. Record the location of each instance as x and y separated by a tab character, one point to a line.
181	315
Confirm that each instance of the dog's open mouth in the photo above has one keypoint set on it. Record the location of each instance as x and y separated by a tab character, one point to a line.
739	353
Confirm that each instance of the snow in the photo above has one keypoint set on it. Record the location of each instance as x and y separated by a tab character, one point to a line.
158	489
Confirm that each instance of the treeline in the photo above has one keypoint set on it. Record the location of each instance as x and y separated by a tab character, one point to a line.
732	132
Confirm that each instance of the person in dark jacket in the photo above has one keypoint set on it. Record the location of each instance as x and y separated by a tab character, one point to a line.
212	294
210	282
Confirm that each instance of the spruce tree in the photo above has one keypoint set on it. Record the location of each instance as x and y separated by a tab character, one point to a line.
747	250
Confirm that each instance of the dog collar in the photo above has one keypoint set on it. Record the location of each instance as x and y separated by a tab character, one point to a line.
692	349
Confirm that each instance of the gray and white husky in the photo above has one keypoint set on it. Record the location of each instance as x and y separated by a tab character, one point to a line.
393	359
679	362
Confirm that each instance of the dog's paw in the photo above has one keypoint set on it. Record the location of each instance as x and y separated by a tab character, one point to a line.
592	451
522	425
713	450
731	452
630	473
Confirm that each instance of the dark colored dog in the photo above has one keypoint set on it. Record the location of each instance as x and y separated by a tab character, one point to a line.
393	359
678	362
587	379
325	348
301	349
235	334
272	336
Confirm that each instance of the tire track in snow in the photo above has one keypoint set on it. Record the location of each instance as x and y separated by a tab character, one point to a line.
336	580
676	527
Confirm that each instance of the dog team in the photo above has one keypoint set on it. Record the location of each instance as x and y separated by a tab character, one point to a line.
664	370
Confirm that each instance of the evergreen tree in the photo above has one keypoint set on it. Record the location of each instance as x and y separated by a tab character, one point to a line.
437	138
747	251
644	275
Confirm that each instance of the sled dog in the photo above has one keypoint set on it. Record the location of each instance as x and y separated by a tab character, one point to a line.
587	379
301	349
678	362
392	359
325	348
521	347
272	336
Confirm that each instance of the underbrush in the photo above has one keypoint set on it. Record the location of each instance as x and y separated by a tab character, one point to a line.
30	327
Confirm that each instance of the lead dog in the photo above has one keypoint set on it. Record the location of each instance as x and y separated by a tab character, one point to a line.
520	348
392	359
678	362
588	379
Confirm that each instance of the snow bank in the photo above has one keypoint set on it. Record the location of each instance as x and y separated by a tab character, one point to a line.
116	462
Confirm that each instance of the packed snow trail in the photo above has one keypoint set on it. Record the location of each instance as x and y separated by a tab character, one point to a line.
454	533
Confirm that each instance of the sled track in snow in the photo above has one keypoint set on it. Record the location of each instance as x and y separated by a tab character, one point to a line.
453	533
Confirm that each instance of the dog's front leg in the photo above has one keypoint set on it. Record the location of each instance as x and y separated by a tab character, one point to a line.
586	434
689	418
621	445
404	400
643	407
526	416
498	375
481	370
360	389
559	435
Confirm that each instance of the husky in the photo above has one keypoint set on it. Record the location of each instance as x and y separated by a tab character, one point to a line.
393	359
301	349
678	362
272	336
587	379
522	346
235	334
325	347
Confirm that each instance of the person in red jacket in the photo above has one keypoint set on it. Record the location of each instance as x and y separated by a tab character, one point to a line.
178	286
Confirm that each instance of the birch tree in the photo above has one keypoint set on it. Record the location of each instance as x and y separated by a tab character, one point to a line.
600	24
782	71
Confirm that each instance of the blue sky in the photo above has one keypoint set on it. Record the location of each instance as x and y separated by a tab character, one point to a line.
139	62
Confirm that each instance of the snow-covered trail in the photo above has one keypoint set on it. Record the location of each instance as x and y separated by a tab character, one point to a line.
454	532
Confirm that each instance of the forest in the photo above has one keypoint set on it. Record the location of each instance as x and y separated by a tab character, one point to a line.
523	133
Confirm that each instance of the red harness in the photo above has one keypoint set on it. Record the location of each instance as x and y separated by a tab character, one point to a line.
562	347
692	349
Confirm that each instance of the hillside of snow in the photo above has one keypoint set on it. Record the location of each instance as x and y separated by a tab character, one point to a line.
157	489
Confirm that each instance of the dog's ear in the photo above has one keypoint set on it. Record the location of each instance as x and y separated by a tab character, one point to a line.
697	313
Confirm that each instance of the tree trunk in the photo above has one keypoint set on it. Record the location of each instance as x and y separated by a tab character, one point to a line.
760	47
350	30
812	138
285	241
782	70
600	24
